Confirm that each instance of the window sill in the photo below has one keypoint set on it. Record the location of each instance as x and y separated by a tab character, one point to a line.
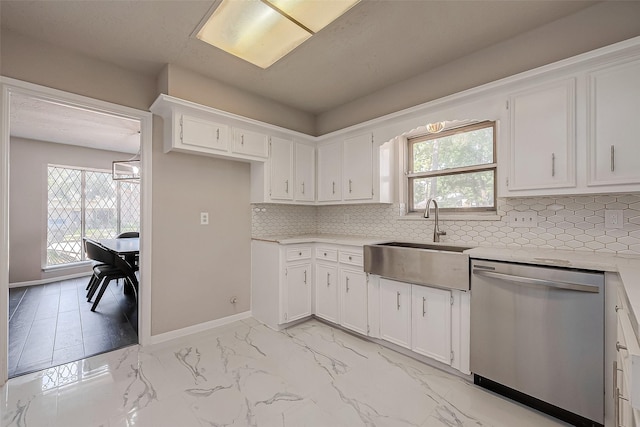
66	266
471	216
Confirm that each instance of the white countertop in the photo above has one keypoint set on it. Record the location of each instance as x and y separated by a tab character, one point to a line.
335	239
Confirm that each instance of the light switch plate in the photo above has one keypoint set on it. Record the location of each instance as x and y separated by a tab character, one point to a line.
522	219
204	218
613	218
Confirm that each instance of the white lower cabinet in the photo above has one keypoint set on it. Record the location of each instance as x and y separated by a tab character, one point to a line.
626	394
431	322
297	292
292	282
281	282
395	312
327	292
353	307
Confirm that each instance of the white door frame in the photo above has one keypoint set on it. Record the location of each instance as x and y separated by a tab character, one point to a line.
10	86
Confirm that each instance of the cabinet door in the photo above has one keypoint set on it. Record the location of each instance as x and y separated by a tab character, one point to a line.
198	132
357	168
297	301
250	143
431	323
305	166
353	310
395	312
614	125
327	292
329	181
280	165
542	143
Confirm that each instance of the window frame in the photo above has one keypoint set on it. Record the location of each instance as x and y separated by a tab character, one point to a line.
83	179
411	176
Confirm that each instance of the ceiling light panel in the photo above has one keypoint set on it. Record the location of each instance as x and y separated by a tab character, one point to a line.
253	31
314	14
263	31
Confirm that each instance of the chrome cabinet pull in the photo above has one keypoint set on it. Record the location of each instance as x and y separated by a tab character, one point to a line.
347	283
553	164
350	182
305	277
303	188
424	311
620	346
286	183
618	308
613	158
218	134
334	187
242	140
398	299
328	279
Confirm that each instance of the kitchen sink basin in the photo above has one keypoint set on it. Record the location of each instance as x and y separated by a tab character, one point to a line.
431	264
430	246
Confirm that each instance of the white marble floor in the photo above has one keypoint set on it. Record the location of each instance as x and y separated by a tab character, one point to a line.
245	374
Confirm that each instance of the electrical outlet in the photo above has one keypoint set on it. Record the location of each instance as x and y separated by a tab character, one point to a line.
613	218
523	219
204	218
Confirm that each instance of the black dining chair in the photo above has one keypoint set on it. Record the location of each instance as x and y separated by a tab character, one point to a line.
128	235
112	267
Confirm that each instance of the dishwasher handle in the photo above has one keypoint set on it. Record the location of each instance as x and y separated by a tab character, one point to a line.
541	282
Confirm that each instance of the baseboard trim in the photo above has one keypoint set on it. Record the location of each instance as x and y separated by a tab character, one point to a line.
48	280
200	327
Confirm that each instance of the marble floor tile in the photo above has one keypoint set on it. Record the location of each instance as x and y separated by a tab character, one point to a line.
245	374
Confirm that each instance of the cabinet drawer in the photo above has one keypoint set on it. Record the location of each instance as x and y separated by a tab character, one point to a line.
326	254
294	254
352	258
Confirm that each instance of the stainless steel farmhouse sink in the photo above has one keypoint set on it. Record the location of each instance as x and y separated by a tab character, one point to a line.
420	263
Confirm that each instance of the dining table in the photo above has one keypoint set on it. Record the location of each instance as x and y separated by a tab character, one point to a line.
126	247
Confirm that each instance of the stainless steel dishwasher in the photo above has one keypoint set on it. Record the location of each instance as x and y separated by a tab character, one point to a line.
537	336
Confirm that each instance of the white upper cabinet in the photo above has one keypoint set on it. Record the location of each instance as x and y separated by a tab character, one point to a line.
250	143
197	129
542	137
204	134
614	130
357	168
280	166
305	173
329	168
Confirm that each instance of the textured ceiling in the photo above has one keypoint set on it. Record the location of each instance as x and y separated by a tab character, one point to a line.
43	120
376	44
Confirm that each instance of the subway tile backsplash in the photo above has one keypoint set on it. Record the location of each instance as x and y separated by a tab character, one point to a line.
572	223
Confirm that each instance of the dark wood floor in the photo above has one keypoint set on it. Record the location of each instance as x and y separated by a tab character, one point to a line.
53	324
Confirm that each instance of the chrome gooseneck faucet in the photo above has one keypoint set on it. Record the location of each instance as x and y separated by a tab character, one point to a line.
436	231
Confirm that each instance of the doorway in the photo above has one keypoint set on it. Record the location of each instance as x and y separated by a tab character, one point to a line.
72	274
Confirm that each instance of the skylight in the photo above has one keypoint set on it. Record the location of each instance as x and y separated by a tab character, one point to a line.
263	31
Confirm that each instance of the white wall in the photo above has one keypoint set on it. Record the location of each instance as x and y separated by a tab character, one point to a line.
198	268
28	201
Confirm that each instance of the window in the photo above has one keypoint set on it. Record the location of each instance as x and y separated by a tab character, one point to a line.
455	167
86	203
